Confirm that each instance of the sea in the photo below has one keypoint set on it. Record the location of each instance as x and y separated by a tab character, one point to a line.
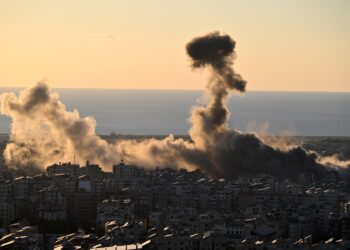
163	112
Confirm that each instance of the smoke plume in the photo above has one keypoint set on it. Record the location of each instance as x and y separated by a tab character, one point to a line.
44	132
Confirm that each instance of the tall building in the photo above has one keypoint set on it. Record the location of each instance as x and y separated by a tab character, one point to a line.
125	174
63	168
6	203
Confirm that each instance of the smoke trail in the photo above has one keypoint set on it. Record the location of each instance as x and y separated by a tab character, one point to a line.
334	161
216	51
43	131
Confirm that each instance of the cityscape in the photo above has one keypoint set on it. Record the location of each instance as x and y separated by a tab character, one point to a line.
175	125
74	207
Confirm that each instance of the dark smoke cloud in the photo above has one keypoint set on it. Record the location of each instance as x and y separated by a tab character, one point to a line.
217	51
44	132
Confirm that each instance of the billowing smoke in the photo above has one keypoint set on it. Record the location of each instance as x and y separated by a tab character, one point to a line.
218	52
44	132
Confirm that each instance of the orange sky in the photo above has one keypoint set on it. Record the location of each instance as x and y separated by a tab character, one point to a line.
281	45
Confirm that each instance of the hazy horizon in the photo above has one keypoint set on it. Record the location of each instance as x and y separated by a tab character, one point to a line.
130	111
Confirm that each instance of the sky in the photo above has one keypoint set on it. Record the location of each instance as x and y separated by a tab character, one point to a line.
298	45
